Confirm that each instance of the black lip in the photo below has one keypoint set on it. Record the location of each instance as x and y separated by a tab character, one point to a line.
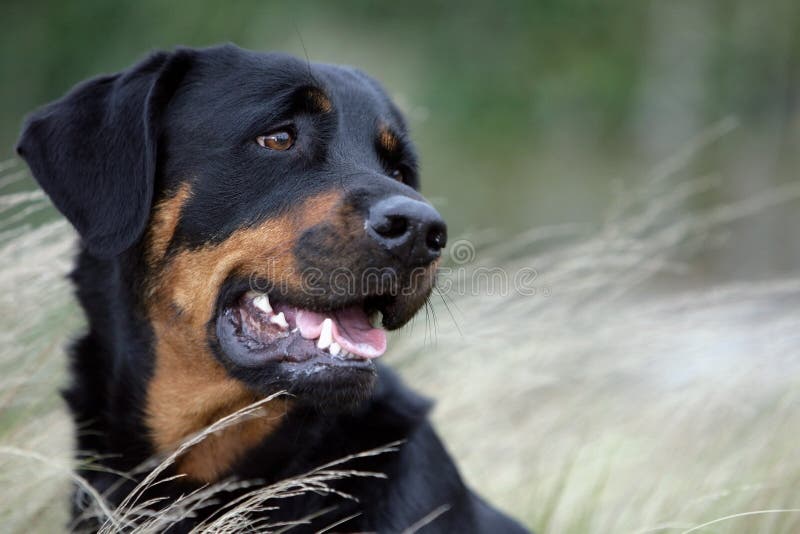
322	360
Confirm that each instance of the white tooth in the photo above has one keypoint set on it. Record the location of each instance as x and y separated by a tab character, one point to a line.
326	334
279	320
262	303
335	349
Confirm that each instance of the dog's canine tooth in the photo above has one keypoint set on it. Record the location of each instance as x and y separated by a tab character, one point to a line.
262	303
326	334
279	320
335	348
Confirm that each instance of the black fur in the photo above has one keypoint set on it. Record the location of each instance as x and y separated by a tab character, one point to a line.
116	145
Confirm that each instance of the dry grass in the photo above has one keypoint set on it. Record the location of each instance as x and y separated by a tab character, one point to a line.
603	403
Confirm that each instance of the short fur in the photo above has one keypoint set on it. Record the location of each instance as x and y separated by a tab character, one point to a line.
178	209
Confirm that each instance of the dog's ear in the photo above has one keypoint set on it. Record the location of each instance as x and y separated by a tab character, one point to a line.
94	151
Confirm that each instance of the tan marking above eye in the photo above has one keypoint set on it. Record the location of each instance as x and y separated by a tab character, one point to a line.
318	100
387	139
279	140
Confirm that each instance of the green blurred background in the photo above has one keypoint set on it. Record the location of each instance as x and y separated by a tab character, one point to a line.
525	112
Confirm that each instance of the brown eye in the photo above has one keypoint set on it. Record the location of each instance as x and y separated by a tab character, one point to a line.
280	140
398	175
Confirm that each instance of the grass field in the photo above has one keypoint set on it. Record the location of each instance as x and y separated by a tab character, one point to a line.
611	397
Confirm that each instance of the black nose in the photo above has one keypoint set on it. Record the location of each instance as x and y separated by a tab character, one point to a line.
409	229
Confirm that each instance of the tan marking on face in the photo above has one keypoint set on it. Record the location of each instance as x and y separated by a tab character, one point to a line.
190	389
387	140
163	223
319	100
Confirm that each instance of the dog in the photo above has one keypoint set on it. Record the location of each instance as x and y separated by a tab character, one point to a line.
245	220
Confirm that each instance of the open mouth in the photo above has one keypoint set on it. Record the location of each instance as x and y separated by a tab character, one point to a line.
254	331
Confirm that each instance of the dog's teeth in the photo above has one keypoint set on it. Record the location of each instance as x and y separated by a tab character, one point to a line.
326	334
335	348
279	320
262	303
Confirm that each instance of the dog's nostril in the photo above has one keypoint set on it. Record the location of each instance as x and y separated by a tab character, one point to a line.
437	237
392	226
411	230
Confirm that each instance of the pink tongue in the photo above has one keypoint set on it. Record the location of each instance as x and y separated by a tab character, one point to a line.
351	330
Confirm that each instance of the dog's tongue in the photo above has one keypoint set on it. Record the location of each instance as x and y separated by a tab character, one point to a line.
351	330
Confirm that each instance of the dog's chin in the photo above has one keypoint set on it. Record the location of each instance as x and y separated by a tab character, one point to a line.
334	389
323	357
324	386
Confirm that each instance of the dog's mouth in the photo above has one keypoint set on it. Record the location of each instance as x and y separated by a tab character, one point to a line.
253	330
319	347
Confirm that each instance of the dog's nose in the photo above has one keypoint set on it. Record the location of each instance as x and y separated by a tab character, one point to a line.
409	229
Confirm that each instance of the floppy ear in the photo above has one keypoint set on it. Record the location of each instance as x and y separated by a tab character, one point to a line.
94	150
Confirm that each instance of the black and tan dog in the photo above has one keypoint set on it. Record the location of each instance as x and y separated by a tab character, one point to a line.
245	219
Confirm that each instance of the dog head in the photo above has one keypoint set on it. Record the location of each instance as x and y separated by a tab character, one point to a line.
271	208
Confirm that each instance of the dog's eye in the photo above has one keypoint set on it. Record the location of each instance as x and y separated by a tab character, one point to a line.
280	140
398	175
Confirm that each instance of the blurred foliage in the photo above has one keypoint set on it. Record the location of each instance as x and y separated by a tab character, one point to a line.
524	111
